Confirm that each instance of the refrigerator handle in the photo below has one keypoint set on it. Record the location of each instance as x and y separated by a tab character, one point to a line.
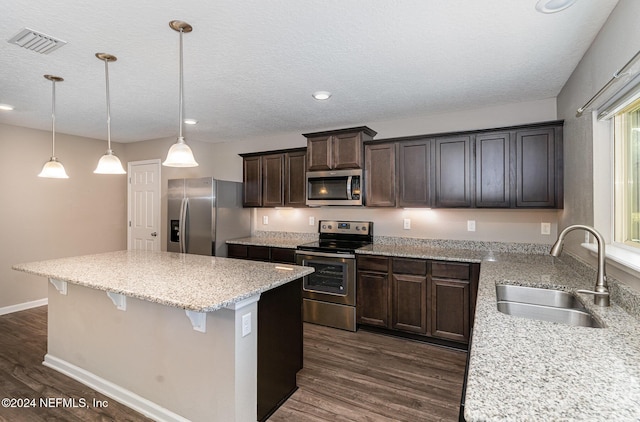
184	207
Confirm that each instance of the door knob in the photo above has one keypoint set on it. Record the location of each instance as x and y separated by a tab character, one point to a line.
154	234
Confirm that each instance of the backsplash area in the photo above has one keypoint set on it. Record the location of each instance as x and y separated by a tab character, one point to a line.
522	226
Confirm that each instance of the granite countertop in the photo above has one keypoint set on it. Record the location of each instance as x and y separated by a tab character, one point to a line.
276	240
193	282
529	370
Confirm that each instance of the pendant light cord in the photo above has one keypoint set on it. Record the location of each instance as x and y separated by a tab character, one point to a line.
181	88
53	119
106	72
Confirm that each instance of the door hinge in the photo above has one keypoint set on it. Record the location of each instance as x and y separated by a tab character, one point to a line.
129	223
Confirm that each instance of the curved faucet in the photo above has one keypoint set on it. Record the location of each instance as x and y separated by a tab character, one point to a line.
601	291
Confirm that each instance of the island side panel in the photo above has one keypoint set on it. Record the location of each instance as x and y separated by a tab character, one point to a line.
152	350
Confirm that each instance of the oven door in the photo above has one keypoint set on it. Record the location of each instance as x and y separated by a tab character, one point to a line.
334	279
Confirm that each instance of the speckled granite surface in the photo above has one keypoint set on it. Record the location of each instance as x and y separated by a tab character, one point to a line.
193	282
287	240
528	370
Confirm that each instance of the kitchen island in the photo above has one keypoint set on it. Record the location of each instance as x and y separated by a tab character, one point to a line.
173	336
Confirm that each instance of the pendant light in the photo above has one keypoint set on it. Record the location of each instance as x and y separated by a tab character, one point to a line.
180	154
53	168
109	163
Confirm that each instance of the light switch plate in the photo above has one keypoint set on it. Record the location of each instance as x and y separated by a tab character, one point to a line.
471	225
406	224
265	219
312	221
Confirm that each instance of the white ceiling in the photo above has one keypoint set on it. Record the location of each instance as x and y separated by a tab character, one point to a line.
251	66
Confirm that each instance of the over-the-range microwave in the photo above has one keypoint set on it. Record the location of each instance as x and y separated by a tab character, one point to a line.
334	187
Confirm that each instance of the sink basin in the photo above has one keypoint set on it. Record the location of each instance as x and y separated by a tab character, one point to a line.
544	304
537	296
575	317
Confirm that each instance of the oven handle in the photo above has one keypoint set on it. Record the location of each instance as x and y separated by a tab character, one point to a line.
325	254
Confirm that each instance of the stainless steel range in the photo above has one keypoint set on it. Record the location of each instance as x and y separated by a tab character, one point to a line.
329	294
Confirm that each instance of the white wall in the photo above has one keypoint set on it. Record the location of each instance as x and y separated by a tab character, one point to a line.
51	218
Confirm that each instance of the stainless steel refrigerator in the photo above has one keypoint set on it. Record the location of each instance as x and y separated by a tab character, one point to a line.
203	214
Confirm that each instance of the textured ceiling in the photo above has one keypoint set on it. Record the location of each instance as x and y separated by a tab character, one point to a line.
251	66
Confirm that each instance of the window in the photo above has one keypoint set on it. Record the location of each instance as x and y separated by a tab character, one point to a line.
627	175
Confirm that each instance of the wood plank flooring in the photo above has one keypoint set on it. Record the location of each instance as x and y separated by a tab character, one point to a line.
346	377
365	376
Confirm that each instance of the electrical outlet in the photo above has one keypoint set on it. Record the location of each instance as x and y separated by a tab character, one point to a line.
545	228
265	219
246	324
471	225
406	224
312	221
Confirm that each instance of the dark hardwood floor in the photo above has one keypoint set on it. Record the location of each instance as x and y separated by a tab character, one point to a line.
365	376
346	377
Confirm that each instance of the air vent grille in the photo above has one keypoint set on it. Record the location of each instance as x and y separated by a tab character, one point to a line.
36	41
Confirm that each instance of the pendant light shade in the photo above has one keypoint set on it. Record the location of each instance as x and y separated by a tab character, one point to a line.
108	163
53	168
180	154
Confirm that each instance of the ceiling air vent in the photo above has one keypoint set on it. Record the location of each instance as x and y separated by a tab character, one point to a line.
36	41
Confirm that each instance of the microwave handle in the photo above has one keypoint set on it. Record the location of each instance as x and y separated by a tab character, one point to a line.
349	187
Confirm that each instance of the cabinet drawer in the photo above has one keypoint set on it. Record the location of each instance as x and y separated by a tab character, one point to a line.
455	270
283	255
237	251
409	266
258	253
373	263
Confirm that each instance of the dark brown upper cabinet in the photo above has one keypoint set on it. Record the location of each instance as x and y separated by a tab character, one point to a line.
295	168
274	178
337	149
416	173
538	168
252	181
493	179
453	178
380	175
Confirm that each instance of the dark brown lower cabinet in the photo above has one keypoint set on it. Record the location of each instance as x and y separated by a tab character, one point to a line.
424	298
372	291
262	253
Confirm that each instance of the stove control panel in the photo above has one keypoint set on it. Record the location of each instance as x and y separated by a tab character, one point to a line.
345	227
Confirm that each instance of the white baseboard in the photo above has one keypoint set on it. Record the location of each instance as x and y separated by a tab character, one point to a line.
109	389
23	306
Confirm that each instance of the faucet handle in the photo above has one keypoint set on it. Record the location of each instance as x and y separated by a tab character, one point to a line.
599	298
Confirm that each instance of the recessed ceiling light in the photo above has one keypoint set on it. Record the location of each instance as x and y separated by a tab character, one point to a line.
321	95
553	6
190	122
6	107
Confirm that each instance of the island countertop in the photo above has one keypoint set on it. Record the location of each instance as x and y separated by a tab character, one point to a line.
192	282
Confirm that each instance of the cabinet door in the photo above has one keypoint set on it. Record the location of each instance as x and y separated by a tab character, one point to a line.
252	182
237	251
450	309
415	173
273	180
492	170
453	181
380	175
295	188
283	255
372	298
347	151
258	253
409	303
319	155
535	168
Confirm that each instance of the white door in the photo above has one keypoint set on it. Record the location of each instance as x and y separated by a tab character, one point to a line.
144	205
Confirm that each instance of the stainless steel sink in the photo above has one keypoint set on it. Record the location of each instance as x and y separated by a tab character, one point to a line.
544	304
537	296
575	317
